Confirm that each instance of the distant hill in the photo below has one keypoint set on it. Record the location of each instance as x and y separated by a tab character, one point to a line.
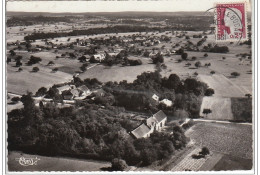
129	13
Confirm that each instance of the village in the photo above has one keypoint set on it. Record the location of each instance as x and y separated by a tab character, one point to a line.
117	94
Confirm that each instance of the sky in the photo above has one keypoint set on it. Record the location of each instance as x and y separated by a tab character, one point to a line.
113	6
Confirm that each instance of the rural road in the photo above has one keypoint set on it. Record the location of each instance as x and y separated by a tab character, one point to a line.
220	121
92	66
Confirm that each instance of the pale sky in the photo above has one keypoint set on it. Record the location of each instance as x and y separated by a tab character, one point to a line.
113	6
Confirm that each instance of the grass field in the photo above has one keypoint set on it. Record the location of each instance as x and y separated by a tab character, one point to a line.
222	86
116	73
21	82
54	163
220	107
231	139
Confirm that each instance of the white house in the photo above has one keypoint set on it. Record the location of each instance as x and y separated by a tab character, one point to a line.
99	57
155	97
167	102
153	123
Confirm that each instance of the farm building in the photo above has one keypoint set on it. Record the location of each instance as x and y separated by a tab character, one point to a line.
155	97
99	57
153	123
141	131
63	88
167	102
157	121
84	90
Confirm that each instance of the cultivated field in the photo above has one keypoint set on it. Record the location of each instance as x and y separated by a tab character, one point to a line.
54	163
231	139
189	163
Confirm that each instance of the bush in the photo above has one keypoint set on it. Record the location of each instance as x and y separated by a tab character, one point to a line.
118	164
41	92
55	69
135	62
18	63
34	60
219	49
198	64
35	69
184	56
15	99
204	151
187	125
235	74
20	69
193	58
209	92
158	59
205	55
212	72
50	63
206	111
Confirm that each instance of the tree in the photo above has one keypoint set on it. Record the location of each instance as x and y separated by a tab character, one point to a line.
172	82
206	111
134	62
35	69
82	59
248	95
34	60
193	58
18	63
50	63
15	100
55	69
204	151
20	69
118	164
212	72
184	56
41	92
9	59
235	74
12	53
209	92
198	64
28	45
28	101
83	67
158	59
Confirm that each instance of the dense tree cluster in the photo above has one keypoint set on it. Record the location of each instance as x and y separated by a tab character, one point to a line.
34	60
185	94
88	131
31	20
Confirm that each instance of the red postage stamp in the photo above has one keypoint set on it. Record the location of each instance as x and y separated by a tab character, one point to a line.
231	21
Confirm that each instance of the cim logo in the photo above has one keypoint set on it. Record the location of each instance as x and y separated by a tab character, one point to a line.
27	161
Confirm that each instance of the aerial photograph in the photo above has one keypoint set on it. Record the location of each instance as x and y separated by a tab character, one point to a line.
132	86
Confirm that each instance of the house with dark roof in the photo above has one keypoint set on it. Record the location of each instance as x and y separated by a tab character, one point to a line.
141	131
154	123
